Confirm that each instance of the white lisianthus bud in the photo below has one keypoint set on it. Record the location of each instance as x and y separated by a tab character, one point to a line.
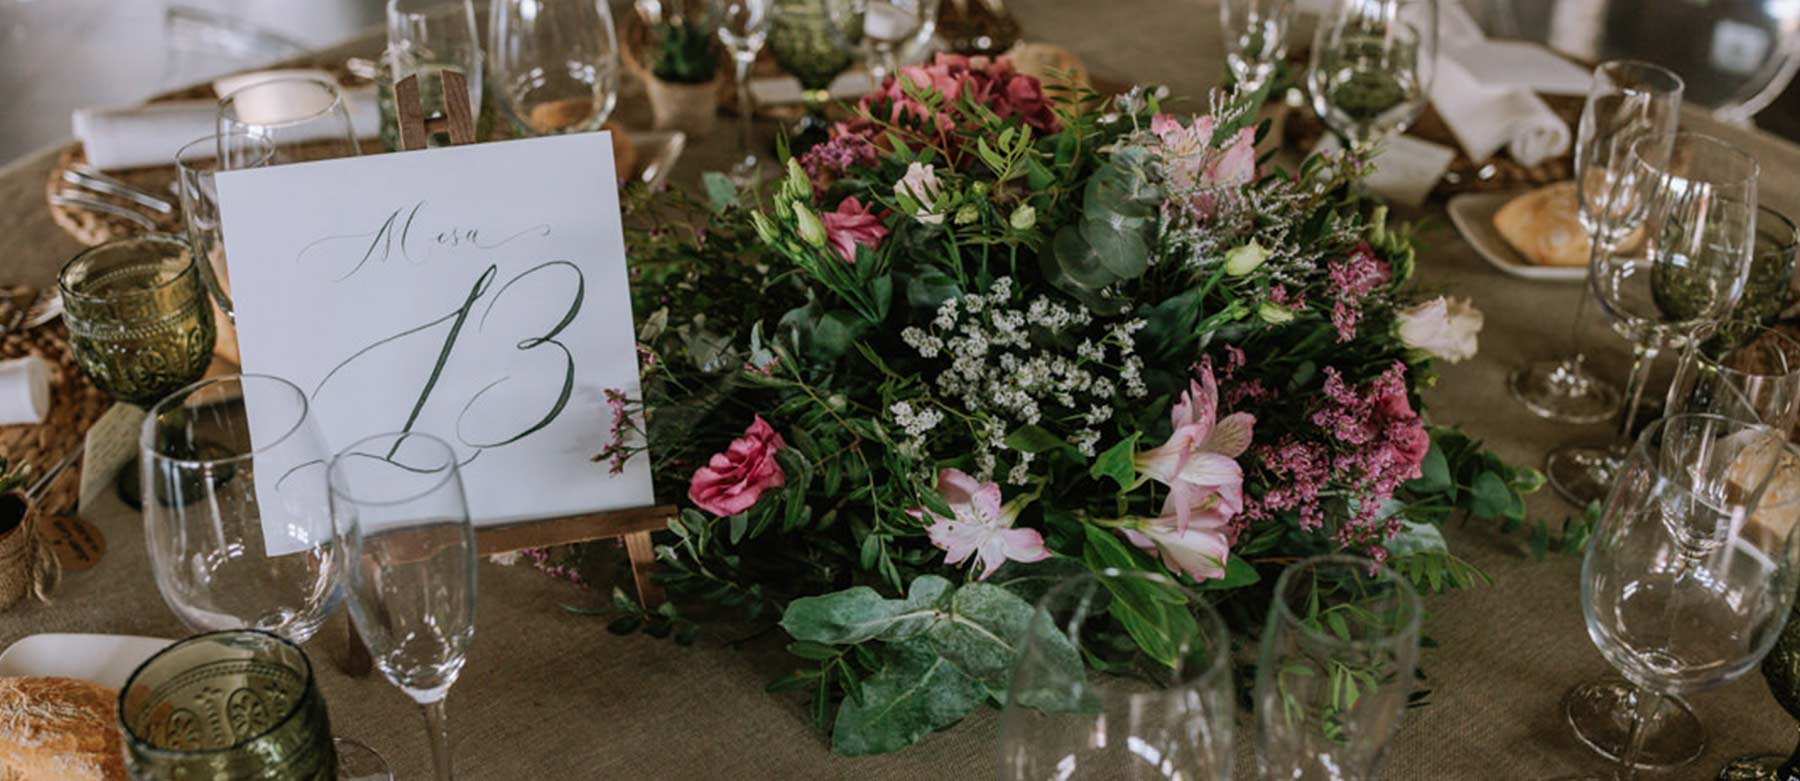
1023	218
1444	327
921	185
1274	314
967	214
1245	259
812	230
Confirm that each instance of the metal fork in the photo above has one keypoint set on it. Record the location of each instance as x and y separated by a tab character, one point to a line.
85	176
76	199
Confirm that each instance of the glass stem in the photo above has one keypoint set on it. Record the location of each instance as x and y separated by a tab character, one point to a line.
1644	705
746	108
1643	360
437	723
1578	329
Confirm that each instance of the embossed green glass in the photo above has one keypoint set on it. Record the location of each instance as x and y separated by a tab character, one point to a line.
140	324
240	705
807	46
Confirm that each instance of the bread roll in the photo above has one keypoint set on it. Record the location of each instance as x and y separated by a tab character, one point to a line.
1544	227
60	729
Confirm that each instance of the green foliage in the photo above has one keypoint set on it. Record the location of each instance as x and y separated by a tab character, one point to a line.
685	52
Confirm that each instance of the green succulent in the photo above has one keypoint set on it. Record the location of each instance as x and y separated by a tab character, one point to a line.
685	53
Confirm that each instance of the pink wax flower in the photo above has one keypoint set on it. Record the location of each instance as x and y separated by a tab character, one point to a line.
852	224
1197	546
1200	457
980	525
732	481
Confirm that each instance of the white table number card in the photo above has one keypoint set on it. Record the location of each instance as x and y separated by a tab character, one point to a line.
478	293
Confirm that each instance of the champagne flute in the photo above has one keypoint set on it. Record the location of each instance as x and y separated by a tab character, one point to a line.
1255	38
1628	100
1372	66
400	512
1173	719
237	518
743	27
556	64
1335	670
1690	576
428	37
303	117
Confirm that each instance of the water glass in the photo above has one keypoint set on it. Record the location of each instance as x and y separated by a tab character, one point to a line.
1372	66
1255	33
743	27
555	62
1336	668
1627	101
808	46
1171	717
1769	289
303	118
1739	370
228	706
196	165
140	325
400	512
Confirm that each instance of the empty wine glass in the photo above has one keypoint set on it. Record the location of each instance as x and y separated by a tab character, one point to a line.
1697	196
1135	715
556	64
1372	66
302	117
428	37
1336	668
885	28
1255	38
1740	370
401	514
237	516
1627	101
743	26
1689	577
197	166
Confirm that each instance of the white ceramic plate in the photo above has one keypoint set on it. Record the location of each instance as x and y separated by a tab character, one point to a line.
104	659
1473	214
658	149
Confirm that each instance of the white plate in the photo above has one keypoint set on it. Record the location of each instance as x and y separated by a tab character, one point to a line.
104	659
1473	214
658	149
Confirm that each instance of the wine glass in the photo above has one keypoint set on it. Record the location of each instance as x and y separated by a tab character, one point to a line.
1164	716
1769	289
1255	38
1627	100
810	47
400	512
1372	66
743	27
237	517
139	322
1740	370
428	37
303	117
885	27
556	64
1697	195
197	165
1690	575
1336	668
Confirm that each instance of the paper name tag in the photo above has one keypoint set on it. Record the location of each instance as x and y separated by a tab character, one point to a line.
78	545
111	443
1406	169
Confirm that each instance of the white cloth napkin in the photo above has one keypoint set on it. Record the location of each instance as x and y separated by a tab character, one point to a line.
116	137
1484	118
24	390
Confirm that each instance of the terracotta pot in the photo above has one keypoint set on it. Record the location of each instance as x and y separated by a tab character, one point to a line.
690	108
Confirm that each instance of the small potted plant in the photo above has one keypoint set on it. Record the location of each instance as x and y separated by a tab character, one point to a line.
680	64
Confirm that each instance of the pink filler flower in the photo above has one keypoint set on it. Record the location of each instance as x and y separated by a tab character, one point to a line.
980	525
850	225
732	481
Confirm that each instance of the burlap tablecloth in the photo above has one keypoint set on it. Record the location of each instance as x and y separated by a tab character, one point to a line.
548	694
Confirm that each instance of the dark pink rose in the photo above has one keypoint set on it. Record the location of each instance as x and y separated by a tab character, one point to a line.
732	481
852	224
1392	402
1411	444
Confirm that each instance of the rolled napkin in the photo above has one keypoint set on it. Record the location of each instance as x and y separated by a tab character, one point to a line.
115	137
24	390
1485	119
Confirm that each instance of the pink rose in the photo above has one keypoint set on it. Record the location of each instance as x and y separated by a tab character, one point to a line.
732	481
1411	443
852	224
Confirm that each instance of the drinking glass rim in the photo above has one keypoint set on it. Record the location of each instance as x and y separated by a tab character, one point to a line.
296	705
1642	447
1409	598
448	470
1793	241
158	237
1754	174
146	432
266	149
1792	356
1671	78
1220	663
236	124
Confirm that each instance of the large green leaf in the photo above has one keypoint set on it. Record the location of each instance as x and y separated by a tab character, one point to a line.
915	693
860	614
982	632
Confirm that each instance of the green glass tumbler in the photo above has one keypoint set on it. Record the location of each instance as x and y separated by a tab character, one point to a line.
239	705
1768	290
140	323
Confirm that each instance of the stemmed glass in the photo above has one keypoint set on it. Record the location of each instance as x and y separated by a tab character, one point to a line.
1372	66
428	37
556	64
743	26
1740	370
237	517
1691	573
302	117
808	46
1336	668
1769	288
1169	716
884	27
197	165
1697	195
1627	101
401	515
1255	38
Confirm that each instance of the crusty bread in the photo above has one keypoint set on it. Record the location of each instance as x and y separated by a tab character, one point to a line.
1544	226
60	729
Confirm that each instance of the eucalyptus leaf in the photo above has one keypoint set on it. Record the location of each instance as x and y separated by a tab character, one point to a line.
860	614
915	693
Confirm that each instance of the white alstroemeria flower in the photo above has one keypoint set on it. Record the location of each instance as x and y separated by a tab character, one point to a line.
1444	327
921	184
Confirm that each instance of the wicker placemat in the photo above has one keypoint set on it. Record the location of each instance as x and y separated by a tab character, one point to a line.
75	405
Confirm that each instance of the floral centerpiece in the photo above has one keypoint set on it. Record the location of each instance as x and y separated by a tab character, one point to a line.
984	338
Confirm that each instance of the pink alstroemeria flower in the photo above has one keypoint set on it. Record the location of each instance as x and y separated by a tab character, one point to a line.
1200	457
981	525
1196	546
850	225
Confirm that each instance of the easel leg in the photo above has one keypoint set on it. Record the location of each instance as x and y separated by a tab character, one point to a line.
643	562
